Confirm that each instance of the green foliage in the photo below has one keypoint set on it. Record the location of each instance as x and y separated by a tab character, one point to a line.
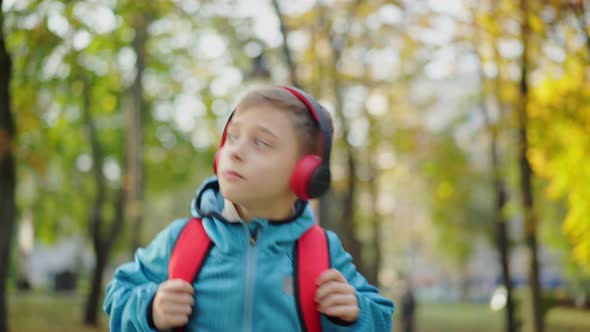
460	199
52	61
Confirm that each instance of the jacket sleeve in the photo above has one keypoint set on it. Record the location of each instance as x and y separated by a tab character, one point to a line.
375	311
134	284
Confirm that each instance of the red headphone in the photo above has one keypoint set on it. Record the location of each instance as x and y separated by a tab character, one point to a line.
311	177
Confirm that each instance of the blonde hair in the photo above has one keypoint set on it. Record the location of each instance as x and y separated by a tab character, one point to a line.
306	126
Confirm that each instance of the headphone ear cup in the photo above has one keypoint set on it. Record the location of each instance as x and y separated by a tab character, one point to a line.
302	175
216	161
319	182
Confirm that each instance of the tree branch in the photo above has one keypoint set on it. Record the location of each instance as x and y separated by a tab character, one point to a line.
286	49
97	163
579	14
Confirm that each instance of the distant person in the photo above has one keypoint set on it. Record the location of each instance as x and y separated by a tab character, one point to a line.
274	157
408	309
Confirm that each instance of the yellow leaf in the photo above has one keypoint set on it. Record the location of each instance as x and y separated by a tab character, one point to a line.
444	190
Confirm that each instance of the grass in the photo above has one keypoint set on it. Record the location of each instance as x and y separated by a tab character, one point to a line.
43	311
570	320
456	317
479	318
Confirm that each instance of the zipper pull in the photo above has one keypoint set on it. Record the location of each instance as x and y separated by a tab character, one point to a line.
253	235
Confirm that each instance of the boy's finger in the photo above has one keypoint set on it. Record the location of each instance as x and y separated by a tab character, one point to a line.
178	320
331	287
330	275
179	298
345	312
186	299
337	299
174	309
179	285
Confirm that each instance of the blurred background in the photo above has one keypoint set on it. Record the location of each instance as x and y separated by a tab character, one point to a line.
461	163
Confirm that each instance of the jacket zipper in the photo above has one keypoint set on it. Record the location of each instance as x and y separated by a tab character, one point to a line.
250	277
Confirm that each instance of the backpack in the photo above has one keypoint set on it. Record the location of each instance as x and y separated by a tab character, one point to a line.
311	257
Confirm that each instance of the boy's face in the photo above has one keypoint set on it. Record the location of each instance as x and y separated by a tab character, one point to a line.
258	157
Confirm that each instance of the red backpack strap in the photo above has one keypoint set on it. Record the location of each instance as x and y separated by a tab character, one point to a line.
190	250
311	258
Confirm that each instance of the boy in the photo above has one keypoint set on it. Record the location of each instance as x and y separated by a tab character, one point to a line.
274	156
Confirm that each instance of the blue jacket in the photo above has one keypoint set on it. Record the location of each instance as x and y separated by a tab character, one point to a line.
241	287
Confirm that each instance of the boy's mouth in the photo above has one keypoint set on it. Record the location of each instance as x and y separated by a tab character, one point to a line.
231	175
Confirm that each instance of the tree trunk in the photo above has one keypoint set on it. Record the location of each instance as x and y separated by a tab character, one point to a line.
95	217
502	239
375	245
135	173
526	176
373	265
93	299
349	237
102	250
286	50
374	217
7	173
499	186
102	242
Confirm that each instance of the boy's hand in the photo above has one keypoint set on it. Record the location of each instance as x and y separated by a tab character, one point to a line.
336	297
172	304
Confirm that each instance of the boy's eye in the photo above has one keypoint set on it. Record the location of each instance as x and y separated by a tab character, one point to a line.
231	137
261	144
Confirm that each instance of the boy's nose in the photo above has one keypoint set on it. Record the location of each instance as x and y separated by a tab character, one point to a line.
236	150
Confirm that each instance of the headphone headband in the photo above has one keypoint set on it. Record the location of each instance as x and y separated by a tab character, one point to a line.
323	123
